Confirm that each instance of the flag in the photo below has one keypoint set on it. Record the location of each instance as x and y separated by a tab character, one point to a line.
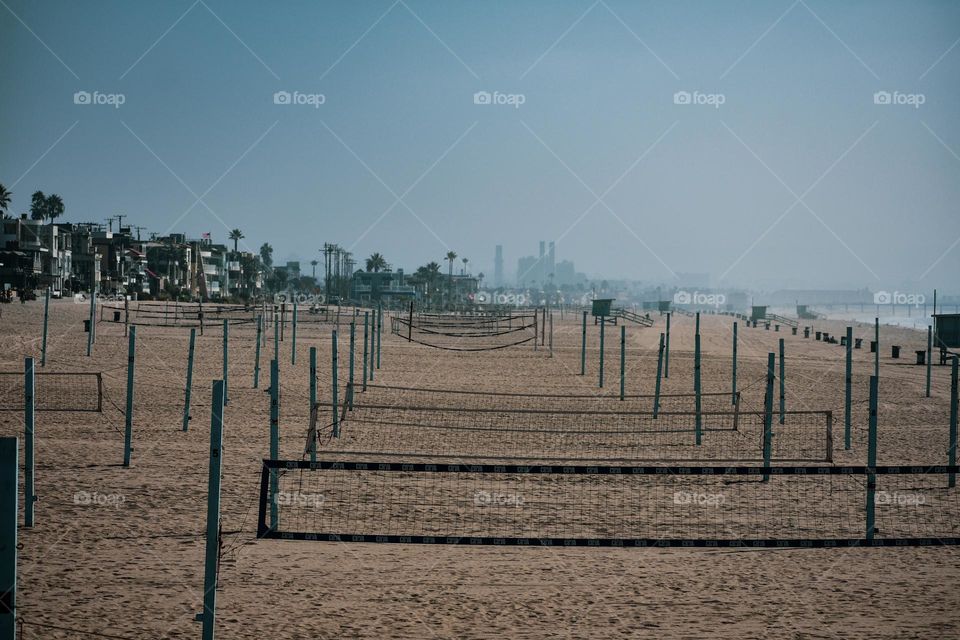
205	235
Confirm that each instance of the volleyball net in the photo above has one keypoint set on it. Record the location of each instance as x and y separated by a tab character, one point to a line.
53	391
818	506
481	332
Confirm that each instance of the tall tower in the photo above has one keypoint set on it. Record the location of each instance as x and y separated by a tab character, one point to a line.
498	266
552	260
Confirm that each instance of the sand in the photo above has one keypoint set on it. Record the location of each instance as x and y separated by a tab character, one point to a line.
131	563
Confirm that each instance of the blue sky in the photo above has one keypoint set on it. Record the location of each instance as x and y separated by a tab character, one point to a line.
797	179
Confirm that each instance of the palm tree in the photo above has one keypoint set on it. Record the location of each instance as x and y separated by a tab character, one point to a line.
4	199
266	254
55	206
314	263
465	261
236	235
451	256
376	263
38	206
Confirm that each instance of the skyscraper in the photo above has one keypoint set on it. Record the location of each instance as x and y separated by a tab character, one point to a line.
498	266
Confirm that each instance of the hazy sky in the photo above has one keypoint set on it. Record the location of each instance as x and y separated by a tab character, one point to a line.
797	179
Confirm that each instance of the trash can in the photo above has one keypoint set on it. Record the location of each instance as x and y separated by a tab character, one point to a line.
921	357
806	332
793	331
116	316
843	341
857	343
776	327
767	326
819	335
894	351
86	326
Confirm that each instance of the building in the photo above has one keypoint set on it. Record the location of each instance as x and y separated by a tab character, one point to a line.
389	287
498	266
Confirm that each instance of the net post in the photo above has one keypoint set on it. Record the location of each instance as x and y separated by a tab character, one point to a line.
733	387
409	325
379	331
293	334
623	360
9	489
543	336
29	395
46	315
226	357
373	345
536	334
697	384
276	335
848	393
366	332
783	386
128	414
212	550
829	456
603	323
583	346
353	348
876	355
952	451
186	393
656	393
126	315
283	320
551	333
274	435
872	458
256	357
929	356
313	400
666	350
90	319
333	377
768	414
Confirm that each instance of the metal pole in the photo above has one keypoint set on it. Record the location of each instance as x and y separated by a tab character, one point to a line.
876	356
353	346
768	414
293	334
603	323
226	355
128	414
583	346
313	400
93	296
409	326
46	315
366	323
551	333
666	352
848	393
274	436
212	552
186	393
256	357
783	386
952	451
656	395
9	480
623	359
696	386
872	457
733	390
29	394
373	342
333	377
379	331
929	356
